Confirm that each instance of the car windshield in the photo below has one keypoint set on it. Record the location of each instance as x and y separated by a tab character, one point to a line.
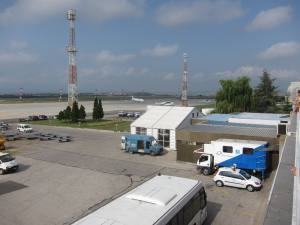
26	126
245	174
6	158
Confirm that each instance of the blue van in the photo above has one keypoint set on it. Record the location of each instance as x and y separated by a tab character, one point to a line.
140	143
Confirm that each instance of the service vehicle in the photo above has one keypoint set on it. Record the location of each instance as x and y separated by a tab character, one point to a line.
24	127
245	154
162	200
122	114
7	163
140	143
234	177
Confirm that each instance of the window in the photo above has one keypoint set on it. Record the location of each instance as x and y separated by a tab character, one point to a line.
192	115
147	145
191	209
141	130
202	198
227	149
203	158
164	137
237	176
248	151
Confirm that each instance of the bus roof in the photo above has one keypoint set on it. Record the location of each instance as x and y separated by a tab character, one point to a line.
145	204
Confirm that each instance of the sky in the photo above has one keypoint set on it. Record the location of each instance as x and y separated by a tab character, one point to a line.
137	45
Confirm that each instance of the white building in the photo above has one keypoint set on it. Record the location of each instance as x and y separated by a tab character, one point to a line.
162	121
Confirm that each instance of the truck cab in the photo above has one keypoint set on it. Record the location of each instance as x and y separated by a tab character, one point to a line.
140	143
205	163
7	163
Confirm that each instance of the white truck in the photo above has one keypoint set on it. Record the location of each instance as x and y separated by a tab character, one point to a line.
7	163
244	154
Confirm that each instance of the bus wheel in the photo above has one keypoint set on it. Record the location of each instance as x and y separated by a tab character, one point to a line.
205	171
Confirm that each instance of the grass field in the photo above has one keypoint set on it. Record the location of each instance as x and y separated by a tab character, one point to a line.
208	105
113	125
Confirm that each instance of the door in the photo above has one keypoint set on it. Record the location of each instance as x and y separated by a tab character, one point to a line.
240	181
204	161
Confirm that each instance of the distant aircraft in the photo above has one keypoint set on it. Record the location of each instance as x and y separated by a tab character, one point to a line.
137	99
167	103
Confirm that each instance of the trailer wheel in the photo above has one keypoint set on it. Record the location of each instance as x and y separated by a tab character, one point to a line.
250	188
219	183
205	171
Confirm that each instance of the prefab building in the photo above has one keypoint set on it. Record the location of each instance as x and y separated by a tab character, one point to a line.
162	122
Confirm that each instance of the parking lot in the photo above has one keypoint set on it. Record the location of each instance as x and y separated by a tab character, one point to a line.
60	182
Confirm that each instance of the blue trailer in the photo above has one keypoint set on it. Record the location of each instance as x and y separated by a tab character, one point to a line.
140	143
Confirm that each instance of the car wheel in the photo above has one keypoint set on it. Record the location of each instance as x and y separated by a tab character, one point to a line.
205	171
1	171
219	183
250	188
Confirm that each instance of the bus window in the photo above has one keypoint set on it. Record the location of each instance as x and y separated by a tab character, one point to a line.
191	209
202	198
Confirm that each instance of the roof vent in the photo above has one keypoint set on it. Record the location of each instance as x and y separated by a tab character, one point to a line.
157	195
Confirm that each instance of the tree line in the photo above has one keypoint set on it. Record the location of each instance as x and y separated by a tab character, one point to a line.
75	114
238	96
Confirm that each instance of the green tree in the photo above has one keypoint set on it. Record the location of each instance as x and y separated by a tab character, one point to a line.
100	109
234	96
265	94
82	113
61	115
95	109
68	113
75	112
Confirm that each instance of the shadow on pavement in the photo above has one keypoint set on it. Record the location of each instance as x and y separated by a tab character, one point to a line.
10	186
213	209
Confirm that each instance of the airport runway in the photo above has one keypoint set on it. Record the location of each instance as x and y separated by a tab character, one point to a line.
22	110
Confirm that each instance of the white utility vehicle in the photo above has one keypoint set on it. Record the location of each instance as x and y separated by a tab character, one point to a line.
7	163
236	178
24	127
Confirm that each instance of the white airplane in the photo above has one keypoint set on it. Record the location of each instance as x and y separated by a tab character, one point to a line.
137	99
167	103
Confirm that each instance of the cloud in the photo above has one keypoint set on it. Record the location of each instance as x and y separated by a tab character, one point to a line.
241	71
132	71
161	50
17	57
97	10
169	76
271	18
106	57
180	13
256	71
281	50
18	45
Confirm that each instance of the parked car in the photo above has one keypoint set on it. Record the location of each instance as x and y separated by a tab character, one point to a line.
122	114
33	118
236	178
24	127
3	126
137	114
130	114
42	117
7	163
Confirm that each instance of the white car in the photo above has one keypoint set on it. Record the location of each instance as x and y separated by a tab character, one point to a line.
24	128
236	178
7	163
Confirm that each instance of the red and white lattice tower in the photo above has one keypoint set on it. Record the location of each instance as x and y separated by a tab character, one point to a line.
71	49
184	98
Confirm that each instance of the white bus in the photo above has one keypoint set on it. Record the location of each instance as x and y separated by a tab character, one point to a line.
162	200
